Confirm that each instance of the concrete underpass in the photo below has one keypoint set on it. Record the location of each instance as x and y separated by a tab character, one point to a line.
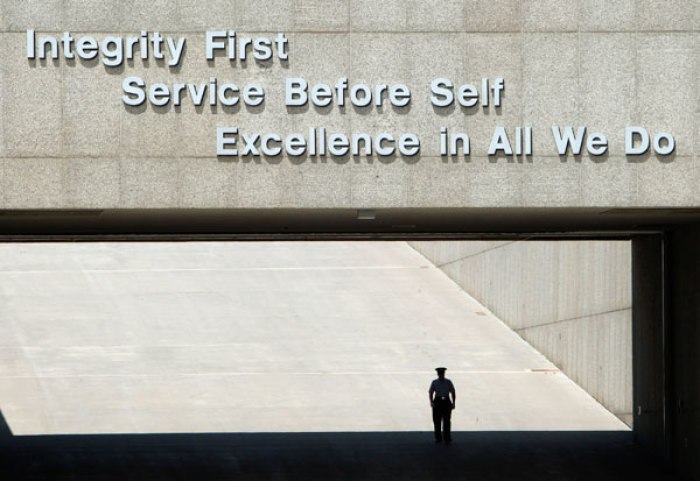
169	360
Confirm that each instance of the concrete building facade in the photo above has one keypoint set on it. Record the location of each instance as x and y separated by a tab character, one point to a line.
69	141
402	119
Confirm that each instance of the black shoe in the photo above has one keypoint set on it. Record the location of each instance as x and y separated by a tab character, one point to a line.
438	441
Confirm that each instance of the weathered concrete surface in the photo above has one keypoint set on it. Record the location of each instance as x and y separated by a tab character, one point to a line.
259	337
571	300
68	141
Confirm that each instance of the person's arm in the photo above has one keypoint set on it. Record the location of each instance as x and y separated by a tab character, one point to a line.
454	395
431	395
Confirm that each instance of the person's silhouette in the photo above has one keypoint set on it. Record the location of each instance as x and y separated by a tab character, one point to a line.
439	393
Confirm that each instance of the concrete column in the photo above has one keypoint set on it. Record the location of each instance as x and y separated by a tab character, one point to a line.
666	339
647	342
684	261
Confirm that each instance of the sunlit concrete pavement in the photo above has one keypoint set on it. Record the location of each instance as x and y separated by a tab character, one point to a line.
259	337
329	348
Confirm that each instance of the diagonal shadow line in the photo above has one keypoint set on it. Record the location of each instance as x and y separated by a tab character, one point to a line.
5	431
518	455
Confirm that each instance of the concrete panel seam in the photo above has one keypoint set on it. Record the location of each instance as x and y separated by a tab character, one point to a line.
571	319
473	255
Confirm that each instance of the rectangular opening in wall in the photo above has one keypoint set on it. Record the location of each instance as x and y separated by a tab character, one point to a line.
244	337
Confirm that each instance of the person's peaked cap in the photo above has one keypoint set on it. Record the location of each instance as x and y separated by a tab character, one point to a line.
441	369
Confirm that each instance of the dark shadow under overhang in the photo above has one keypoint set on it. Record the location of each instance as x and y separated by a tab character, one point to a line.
261	223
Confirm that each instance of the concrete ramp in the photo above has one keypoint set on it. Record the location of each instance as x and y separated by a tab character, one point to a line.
233	337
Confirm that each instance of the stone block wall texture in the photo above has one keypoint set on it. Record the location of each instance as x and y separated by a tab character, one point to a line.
571	300
68	141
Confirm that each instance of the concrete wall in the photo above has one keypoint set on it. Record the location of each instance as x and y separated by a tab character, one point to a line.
648	343
684	359
666	275
571	300
67	140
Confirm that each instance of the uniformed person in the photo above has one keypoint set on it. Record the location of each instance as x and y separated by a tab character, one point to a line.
440	391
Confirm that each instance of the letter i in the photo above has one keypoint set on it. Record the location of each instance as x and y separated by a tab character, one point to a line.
144	44
232	44
31	49
443	140
212	91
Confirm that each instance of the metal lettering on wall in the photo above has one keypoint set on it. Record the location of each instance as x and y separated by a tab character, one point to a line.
233	141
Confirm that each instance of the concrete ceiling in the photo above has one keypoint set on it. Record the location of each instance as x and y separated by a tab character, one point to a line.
309	223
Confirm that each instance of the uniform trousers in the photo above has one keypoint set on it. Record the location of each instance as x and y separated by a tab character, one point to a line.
442	413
